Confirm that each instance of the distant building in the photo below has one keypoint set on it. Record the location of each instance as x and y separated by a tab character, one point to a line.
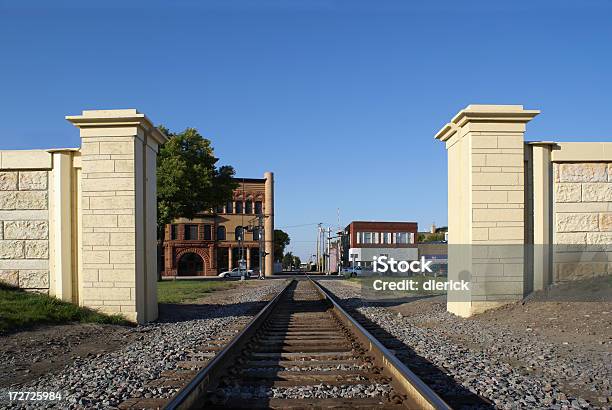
437	253
362	240
216	240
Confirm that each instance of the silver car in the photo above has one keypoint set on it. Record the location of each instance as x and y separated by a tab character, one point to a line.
236	273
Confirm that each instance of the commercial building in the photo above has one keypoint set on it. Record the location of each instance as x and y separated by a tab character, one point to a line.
217	240
437	254
362	240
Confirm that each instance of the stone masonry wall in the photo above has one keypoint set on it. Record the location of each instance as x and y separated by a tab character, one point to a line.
108	224
24	229
582	211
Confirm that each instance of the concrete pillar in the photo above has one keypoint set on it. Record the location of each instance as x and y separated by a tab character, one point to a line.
486	216
269	223
118	184
248	258
212	252
61	220
542	213
230	263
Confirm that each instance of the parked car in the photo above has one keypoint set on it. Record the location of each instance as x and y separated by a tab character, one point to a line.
352	271
236	273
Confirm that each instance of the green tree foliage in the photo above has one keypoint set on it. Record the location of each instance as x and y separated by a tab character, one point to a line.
281	240
288	260
297	261
291	261
430	237
188	179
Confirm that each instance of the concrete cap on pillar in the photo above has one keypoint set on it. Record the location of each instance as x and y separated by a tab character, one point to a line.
485	113
117	118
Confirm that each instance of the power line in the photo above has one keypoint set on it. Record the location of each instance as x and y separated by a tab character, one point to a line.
296	226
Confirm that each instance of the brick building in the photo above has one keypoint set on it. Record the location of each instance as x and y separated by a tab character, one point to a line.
362	241
215	241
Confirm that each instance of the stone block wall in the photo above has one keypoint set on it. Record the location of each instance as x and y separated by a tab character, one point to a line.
522	215
80	224
118	197
582	209
24	228
108	201
486	193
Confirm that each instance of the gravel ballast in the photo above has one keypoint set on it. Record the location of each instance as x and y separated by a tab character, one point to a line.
109	379
512	368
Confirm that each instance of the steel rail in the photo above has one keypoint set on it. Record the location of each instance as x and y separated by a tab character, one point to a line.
188	396
418	392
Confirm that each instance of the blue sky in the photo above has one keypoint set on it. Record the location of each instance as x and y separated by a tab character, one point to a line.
340	99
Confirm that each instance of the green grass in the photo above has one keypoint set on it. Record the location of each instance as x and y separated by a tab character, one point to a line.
179	291
20	309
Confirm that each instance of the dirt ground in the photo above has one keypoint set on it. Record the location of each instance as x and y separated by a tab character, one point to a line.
580	329
582	321
29	354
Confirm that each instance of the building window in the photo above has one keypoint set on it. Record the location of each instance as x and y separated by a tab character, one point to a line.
229	207
191	232
385	237
255	234
173	232
367	237
248	205
401	237
207	233
238	233
239	207
258	209
220	233
219	209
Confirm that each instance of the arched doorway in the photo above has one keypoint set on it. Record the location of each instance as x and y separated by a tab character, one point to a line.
191	264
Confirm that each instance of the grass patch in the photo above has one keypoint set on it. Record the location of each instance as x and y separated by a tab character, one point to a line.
179	291
20	309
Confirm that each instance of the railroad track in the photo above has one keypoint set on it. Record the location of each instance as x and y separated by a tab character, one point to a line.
304	351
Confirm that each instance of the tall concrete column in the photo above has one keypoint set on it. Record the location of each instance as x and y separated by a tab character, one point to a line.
269	223
541	191
230	263
486	209
62	181
248	258
118	190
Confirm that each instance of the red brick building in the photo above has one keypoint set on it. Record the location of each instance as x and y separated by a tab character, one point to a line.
215	241
362	240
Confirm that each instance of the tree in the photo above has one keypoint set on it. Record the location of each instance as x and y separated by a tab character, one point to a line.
430	237
297	261
281	240
288	260
188	179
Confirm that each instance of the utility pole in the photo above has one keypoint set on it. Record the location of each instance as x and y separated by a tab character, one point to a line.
262	251
318	261
328	264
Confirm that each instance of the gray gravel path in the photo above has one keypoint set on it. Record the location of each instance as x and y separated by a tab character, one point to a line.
109	379
493	372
